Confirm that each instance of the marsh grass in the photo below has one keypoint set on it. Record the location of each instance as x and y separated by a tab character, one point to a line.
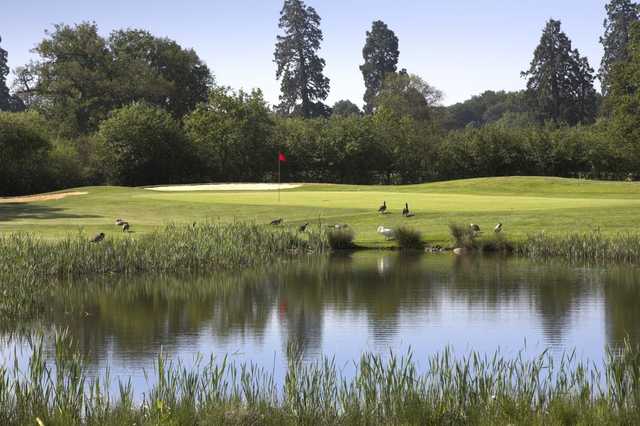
396	389
463	236
341	239
408	238
588	247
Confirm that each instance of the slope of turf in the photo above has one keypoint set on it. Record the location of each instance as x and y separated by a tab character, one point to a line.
524	204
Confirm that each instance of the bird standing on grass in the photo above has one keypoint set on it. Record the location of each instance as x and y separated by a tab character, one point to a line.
276	222
97	238
383	207
125	227
119	221
405	211
303	227
498	228
387	232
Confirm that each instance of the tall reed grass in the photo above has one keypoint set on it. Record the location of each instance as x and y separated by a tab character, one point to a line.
587	247
472	389
204	246
408	238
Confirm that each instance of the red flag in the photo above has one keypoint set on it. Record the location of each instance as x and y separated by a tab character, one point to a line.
282	158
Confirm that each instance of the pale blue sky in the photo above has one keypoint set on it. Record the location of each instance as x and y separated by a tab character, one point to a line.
462	47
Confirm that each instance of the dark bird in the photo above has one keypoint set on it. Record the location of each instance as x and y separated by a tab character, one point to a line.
383	207
97	238
498	228
119	221
303	227
276	222
475	228
405	211
125	227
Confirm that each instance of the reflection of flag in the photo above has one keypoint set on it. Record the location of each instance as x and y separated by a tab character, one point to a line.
282	158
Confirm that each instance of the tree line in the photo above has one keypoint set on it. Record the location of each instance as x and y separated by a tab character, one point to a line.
135	109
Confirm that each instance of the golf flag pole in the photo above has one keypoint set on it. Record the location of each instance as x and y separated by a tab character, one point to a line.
281	159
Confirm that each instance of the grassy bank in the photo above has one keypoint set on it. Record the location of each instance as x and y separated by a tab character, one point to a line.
475	389
525	205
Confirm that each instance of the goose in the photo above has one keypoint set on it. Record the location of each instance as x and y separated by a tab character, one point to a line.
99	237
498	228
474	227
387	232
405	211
303	227
125	227
276	222
383	207
119	221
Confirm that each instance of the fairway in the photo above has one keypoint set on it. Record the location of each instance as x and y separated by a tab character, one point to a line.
523	204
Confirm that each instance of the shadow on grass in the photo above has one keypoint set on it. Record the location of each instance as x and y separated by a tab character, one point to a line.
14	211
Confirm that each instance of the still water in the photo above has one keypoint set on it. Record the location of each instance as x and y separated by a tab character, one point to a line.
341	306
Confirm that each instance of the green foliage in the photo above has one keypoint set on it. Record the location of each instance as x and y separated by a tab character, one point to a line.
407	95
380	53
621	14
7	101
341	239
24	153
475	388
463	236
486	108
298	64
624	99
143	145
233	136
408	238
345	107
560	81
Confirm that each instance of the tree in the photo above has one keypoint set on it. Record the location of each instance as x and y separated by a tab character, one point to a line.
299	67
380	55
624	100
560	81
232	135
7	101
345	107
143	145
24	153
407	94
158	71
620	15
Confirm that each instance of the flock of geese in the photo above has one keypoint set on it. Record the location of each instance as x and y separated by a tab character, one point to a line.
388	233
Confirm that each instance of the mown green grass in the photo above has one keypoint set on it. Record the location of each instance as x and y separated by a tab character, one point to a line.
525	205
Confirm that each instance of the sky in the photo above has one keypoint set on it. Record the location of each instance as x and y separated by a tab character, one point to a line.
462	47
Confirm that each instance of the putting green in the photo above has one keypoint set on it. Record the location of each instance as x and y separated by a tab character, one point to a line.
523	204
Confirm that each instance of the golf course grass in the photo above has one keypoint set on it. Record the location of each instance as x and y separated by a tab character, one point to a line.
525	205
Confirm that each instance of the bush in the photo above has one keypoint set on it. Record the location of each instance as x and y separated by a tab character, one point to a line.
341	239
24	154
143	145
496	243
409	238
463	236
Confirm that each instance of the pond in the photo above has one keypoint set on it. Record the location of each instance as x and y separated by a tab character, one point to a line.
343	305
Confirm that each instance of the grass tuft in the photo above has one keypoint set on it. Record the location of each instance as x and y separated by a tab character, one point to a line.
341	239
463	236
408	238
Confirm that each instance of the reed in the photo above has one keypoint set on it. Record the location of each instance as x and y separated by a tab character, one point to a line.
341	239
408	238
471	389
589	247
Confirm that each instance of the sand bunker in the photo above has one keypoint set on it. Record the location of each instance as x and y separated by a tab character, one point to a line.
227	187
43	197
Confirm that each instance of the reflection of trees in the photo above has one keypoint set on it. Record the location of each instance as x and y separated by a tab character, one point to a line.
621	299
139	315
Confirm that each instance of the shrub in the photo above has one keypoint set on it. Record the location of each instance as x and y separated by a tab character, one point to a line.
496	243
463	236
143	145
409	238
341	239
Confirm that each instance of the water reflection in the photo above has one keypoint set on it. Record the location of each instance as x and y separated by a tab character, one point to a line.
345	304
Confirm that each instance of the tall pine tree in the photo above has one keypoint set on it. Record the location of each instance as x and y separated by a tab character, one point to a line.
620	15
7	102
380	55
560	81
303	85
